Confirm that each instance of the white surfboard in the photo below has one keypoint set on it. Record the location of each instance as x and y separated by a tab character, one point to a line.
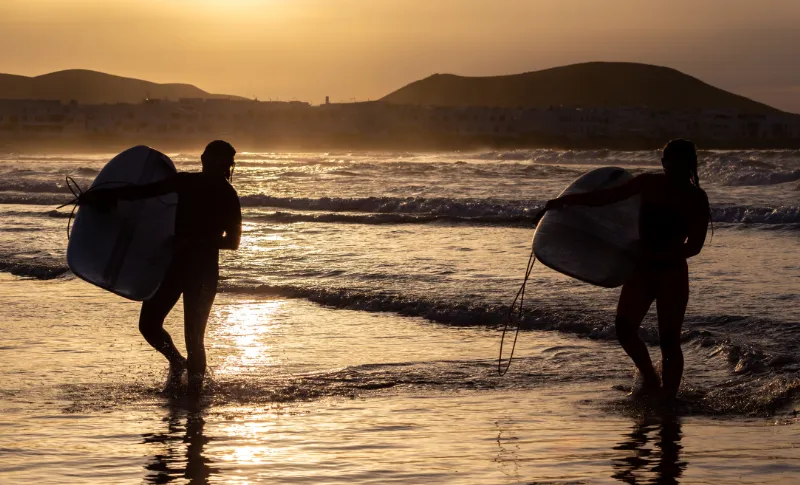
126	250
597	245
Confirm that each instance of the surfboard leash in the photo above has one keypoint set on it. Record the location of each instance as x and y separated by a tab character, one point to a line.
77	192
520	311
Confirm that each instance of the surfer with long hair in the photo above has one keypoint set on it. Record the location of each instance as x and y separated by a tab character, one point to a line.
673	223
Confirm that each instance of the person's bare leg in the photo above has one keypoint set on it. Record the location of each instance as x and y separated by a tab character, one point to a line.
671	307
151	323
634	302
197	303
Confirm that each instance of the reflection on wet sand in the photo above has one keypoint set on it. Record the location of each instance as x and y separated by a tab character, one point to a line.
649	452
659	464
171	460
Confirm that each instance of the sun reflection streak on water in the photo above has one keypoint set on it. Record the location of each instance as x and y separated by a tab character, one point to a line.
244	331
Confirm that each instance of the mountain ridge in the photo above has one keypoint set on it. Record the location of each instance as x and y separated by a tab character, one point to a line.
94	87
586	85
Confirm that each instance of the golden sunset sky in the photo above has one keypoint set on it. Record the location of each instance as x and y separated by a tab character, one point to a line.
364	49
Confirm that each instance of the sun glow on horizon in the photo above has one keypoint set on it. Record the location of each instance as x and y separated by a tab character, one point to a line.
345	49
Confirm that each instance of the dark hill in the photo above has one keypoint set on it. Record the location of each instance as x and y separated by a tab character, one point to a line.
92	87
593	84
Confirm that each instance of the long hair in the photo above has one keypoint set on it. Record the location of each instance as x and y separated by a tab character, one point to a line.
685	151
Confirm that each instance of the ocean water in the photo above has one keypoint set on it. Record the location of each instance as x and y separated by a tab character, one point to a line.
356	334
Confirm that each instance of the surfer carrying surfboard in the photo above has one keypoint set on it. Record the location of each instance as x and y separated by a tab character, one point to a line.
208	218
673	222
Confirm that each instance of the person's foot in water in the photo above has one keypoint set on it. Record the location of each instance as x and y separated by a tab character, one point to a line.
651	390
175	375
195	387
647	386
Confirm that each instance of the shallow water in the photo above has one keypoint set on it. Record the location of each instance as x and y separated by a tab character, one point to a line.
304	394
356	335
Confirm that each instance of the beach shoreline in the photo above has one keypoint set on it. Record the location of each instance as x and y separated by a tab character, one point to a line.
89	405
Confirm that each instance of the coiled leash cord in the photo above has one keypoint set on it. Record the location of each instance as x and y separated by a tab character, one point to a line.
77	192
518	310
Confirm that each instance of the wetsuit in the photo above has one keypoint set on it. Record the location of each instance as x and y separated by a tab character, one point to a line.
672	227
663	230
208	218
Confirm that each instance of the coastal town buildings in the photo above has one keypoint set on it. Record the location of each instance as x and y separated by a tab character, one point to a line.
266	124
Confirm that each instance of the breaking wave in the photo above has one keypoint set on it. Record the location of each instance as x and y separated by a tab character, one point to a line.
34	198
737	169
38	268
406	205
33	186
475	211
388	218
756	215
418	210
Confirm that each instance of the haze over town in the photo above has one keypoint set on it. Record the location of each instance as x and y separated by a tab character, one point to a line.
353	49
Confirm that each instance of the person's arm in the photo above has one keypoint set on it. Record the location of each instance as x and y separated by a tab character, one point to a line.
597	198
104	196
233	224
146	191
698	228
601	197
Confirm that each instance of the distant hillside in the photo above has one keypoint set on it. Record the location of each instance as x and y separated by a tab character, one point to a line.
92	87
593	84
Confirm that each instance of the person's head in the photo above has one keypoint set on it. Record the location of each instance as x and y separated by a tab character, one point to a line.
217	158
679	160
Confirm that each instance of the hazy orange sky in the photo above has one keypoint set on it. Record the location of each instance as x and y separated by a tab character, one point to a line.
363	49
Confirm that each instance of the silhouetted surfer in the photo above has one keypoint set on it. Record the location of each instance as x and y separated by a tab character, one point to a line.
208	218
673	222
